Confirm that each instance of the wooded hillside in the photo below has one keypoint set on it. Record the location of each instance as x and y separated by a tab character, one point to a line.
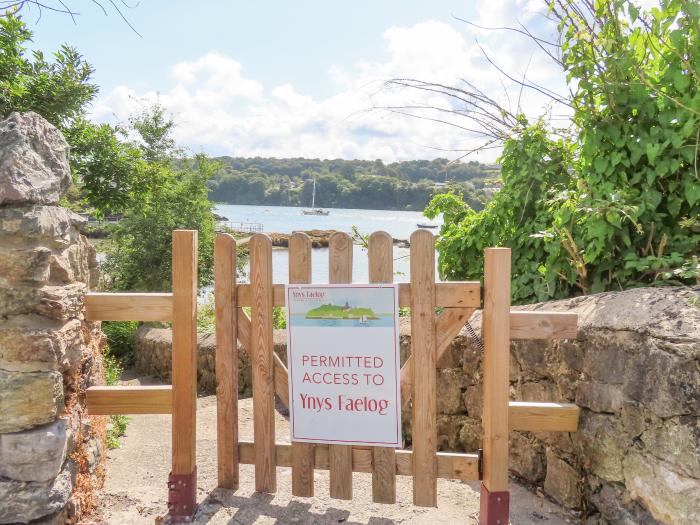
407	185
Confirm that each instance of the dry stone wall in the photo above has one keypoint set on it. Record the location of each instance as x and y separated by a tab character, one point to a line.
49	354
635	372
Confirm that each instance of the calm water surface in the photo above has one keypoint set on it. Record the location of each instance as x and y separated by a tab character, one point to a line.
286	219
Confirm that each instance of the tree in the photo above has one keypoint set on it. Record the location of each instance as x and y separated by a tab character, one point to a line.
174	196
57	90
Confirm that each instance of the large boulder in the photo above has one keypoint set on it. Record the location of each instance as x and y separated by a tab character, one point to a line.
33	160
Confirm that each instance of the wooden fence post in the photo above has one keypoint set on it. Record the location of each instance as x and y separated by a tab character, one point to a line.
303	459
423	350
182	483
494	502
226	360
262	363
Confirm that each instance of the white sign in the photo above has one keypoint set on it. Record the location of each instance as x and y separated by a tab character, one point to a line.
344	368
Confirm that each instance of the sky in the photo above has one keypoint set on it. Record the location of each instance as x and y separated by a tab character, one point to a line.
305	78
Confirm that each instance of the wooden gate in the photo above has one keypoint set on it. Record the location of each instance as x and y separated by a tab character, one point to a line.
431	335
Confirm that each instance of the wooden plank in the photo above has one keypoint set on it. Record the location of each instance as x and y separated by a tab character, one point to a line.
340	271
302	453
423	350
262	363
114	400
496	335
128	306
226	361
463	467
454	294
381	270
184	352
543	417
448	325
280	369
543	325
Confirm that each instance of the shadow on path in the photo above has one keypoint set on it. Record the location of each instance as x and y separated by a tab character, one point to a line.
246	511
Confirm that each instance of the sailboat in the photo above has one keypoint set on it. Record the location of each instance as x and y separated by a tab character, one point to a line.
314	210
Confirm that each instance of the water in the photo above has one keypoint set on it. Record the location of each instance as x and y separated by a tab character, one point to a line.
287	219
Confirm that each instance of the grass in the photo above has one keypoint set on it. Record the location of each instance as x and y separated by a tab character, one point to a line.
120	342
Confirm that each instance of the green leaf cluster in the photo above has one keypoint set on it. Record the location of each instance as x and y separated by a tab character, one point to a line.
617	204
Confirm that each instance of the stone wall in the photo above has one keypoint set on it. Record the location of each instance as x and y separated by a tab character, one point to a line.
49	355
634	371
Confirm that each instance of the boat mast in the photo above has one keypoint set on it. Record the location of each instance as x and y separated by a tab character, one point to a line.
313	197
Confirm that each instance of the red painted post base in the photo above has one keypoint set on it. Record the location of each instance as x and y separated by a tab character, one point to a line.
493	507
182	497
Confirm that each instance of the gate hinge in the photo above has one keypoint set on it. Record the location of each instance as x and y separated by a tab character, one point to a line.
182	496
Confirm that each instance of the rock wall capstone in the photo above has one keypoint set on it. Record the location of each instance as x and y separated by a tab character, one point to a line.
49	354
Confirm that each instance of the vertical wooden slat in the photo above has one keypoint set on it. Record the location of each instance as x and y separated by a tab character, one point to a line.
496	335
302	453
184	358
381	270
226	360
262	363
423	344
340	271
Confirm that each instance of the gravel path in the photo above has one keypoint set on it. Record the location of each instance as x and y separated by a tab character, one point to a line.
135	492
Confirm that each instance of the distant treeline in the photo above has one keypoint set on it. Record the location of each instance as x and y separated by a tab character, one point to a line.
405	185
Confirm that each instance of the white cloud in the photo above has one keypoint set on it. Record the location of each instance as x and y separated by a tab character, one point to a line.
220	110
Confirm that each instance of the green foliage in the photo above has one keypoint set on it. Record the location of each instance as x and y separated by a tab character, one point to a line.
115	430
347	183
618	205
57	90
119	346
121	340
532	166
279	318
174	197
140	257
108	170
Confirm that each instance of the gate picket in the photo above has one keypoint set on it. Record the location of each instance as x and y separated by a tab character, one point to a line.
381	270
424	369
303	462
262	363
340	271
226	360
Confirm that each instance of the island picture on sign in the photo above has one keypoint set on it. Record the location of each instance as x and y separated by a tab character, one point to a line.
344	367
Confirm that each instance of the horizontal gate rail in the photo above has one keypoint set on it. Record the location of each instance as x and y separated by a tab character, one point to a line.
464	467
128	306
114	400
543	417
453	294
543	325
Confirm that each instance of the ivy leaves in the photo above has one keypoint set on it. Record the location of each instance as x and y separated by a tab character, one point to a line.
618	205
